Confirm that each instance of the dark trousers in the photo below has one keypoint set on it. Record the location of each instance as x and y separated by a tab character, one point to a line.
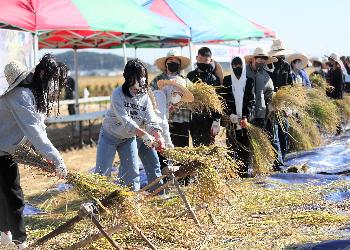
200	127
71	109
283	137
238	142
11	200
179	133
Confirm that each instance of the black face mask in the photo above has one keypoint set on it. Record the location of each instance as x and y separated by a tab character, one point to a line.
173	67
204	66
237	71
260	66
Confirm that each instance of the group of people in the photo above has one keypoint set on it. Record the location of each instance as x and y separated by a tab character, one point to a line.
146	117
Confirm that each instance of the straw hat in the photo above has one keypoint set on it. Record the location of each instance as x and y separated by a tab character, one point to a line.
278	49
317	59
184	61
15	73
180	83
335	57
260	52
299	56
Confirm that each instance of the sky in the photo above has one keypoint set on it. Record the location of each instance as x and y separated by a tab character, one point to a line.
315	27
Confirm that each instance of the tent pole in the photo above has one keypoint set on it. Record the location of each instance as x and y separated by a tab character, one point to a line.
190	46
135	52
124	53
239	46
36	48
76	87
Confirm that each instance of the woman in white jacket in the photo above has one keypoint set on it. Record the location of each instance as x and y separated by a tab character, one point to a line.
170	95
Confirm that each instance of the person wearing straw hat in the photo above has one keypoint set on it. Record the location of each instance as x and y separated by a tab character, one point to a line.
263	84
281	74
171	94
204	126
298	62
239	97
318	66
23	106
179	123
336	77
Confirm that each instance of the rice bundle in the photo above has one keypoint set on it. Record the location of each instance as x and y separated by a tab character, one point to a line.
90	186
299	139
211	164
317	81
291	97
262	152
205	98
323	110
343	106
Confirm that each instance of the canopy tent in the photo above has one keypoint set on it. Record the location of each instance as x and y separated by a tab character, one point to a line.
210	21
81	23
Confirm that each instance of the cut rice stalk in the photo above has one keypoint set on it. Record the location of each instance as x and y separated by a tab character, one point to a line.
262	152
205	98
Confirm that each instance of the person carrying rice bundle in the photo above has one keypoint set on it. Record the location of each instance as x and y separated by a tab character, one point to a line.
281	76
179	121
170	96
23	107
239	97
204	125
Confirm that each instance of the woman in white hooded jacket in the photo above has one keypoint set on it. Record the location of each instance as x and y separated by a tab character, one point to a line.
239	97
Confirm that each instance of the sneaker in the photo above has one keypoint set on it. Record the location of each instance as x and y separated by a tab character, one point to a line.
22	246
6	238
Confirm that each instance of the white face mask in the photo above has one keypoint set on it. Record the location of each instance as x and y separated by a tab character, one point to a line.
175	98
318	69
298	65
140	84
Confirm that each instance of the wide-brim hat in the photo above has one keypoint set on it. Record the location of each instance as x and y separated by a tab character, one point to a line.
278	49
15	73
319	60
335	57
299	56
260	52
184	61
181	84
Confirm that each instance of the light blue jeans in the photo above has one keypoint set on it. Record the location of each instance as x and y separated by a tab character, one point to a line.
128	151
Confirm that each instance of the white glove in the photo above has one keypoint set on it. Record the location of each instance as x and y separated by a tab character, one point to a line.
61	171
148	140
234	118
215	128
288	112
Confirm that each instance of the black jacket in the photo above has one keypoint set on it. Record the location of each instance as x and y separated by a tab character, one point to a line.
336	79
281	75
209	78
248	98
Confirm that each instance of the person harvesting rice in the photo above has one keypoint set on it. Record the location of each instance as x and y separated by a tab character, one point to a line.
23	105
131	115
239	96
179	122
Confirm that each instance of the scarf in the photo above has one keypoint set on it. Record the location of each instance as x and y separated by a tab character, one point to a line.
238	86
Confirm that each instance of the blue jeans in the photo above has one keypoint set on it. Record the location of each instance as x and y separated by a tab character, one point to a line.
128	152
